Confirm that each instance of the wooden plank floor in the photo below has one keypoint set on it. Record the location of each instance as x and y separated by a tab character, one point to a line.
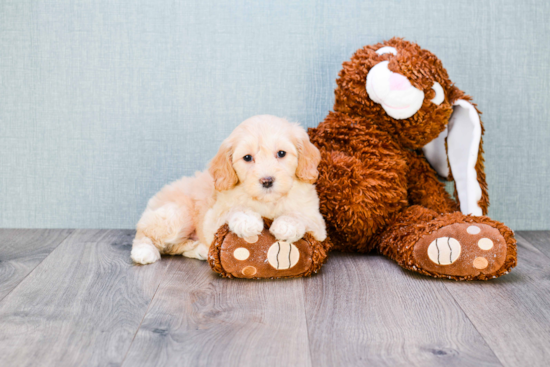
74	298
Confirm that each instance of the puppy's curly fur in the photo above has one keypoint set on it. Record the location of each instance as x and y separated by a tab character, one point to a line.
265	168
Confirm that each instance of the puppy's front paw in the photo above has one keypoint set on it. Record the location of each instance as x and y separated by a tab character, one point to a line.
144	252
245	224
288	228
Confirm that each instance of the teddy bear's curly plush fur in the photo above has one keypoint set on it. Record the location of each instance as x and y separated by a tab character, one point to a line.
376	186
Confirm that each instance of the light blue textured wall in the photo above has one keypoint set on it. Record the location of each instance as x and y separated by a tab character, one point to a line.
103	102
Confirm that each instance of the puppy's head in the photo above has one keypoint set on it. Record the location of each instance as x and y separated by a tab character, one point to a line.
265	154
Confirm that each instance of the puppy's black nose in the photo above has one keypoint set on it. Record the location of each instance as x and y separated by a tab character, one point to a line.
267	182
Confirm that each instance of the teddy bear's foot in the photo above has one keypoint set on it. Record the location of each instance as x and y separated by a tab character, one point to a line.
264	256
462	251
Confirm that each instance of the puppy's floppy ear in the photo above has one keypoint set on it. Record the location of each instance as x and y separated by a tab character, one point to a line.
221	168
308	156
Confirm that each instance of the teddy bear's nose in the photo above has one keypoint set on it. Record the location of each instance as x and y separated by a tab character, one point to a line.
399	82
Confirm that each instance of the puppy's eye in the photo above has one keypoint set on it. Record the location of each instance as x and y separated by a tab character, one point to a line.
281	153
247	158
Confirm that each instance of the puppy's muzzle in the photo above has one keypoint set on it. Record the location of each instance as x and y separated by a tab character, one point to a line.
267	182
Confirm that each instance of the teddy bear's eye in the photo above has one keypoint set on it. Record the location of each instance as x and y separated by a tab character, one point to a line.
386	50
439	94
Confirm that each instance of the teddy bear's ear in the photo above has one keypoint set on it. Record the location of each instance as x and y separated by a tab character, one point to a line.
457	154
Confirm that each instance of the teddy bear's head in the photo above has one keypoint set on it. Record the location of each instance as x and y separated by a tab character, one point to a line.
400	86
406	91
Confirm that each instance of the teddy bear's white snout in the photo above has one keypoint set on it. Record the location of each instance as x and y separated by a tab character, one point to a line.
399	98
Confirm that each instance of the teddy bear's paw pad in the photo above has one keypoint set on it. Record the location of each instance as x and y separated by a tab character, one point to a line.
462	250
264	256
283	255
444	250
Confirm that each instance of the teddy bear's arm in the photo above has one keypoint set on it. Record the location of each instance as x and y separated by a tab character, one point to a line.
424	188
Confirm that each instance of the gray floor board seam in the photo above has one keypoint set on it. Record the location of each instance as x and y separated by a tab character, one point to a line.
139	326
38	264
473	324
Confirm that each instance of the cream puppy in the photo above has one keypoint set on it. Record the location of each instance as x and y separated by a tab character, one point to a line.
265	168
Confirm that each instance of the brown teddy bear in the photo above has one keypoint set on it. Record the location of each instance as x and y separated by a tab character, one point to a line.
398	124
397	120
